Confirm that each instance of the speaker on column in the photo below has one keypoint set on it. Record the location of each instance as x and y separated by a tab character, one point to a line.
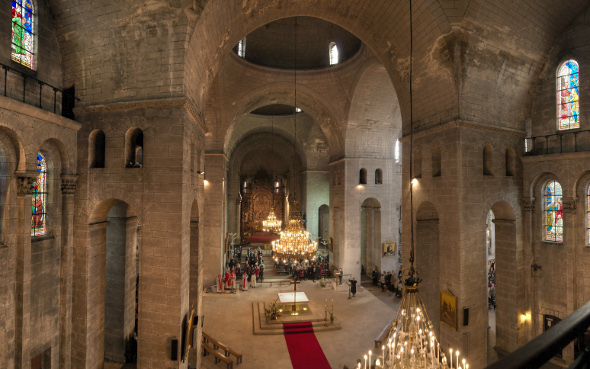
174	349
465	316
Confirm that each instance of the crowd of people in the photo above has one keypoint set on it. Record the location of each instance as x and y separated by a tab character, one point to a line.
388	281
306	269
252	272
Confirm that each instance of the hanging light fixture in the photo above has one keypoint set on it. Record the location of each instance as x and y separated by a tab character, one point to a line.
271	223
294	242
411	342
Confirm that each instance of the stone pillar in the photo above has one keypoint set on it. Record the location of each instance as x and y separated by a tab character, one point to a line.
68	188
528	327
570	221
23	269
214	225
131	249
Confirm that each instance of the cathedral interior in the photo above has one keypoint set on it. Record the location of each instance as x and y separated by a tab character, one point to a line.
138	137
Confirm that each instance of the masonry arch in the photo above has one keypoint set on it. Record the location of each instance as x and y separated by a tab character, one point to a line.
371	250
246	18
96	149
427	254
134	147
113	239
507	277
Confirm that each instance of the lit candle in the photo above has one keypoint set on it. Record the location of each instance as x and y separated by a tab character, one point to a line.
370	359
365	361
377	363
451	358
457	353
463	361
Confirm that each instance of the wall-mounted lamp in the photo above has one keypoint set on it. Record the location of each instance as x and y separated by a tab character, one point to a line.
200	172
360	187
524	317
414	181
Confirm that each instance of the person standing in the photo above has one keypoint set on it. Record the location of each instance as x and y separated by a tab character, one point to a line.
244	282
353	283
340	275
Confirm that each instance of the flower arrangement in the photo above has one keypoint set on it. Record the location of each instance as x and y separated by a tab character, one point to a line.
272	312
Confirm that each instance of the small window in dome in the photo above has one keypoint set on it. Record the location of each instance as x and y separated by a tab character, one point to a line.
333	53
242	48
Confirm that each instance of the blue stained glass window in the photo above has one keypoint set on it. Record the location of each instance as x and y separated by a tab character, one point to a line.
23	35
568	99
39	205
553	207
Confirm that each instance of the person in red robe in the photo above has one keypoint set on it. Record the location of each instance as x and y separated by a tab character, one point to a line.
219	284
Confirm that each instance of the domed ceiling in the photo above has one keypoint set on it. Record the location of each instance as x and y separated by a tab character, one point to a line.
273	45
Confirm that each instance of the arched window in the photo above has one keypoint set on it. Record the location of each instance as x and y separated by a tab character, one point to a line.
39	205
96	149
23	33
568	103
333	53
134	148
553	208
510	162
487	160
417	164
588	215
363	176
436	162
242	48
378	176
396	152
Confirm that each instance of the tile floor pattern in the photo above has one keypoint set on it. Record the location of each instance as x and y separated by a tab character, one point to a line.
228	318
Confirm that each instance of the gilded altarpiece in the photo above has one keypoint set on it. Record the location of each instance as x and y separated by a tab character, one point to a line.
257	199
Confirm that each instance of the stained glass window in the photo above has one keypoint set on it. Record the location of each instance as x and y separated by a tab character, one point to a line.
39	206
23	32
568	103
553	207
588	215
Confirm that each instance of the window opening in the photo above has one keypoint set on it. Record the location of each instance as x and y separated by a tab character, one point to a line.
568	103
363	176
39	206
23	36
552	204
333	53
242	48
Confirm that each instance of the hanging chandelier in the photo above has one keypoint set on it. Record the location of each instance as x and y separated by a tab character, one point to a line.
411	342
294	242
271	223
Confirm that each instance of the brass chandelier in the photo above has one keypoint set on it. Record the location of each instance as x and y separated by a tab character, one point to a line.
411	342
294	242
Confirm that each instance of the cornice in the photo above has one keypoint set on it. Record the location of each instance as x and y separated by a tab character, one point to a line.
19	107
463	124
146	104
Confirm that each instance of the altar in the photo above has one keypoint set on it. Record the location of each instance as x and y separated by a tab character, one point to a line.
290	297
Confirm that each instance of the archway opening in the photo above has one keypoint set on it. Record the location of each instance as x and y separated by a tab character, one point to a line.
490	246
370	236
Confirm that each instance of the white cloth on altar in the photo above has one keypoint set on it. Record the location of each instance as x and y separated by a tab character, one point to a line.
287	297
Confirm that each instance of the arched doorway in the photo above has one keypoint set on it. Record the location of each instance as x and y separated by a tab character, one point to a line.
428	260
370	235
116	237
506	276
490	245
324	222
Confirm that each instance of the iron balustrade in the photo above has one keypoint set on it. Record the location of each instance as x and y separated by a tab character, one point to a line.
542	348
554	143
68	98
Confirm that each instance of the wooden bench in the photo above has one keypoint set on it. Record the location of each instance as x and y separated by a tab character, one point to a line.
218	355
226	349
380	340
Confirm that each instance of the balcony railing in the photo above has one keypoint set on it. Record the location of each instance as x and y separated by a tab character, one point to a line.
541	349
30	90
558	143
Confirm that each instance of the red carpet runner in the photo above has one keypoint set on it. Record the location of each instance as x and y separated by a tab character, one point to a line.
304	348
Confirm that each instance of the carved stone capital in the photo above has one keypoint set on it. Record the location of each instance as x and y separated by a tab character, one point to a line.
25	185
528	204
569	204
68	184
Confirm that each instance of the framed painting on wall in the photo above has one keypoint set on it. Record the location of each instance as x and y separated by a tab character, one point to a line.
448	309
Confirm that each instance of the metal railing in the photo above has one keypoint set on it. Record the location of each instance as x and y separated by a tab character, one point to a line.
557	143
68	97
542	348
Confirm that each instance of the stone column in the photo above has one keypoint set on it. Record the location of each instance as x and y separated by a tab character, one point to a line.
68	188
214	225
569	243
23	269
528	331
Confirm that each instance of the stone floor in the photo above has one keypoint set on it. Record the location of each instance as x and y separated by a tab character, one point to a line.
228	318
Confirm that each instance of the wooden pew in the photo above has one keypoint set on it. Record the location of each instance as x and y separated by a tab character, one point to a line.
218	355
226	349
